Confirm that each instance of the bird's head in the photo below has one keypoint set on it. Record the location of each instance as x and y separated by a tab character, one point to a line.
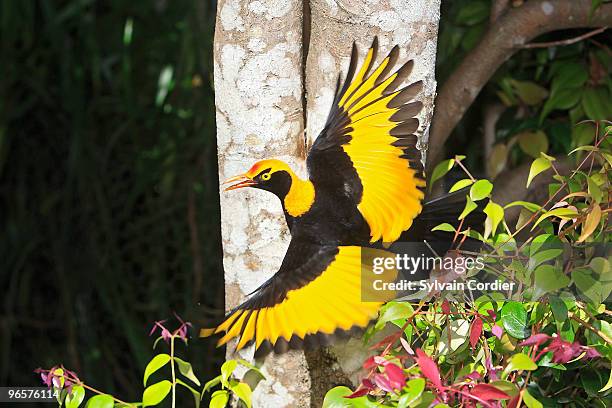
271	175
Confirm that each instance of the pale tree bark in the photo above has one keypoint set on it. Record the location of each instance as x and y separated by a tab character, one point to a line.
258	95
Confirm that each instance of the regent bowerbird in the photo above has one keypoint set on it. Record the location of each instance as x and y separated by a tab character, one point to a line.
365	187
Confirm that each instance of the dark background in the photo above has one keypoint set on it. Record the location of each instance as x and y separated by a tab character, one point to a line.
109	209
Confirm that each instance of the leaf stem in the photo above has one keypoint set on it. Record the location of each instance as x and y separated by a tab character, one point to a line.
173	371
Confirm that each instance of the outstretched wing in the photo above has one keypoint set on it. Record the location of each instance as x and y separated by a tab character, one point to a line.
368	146
317	292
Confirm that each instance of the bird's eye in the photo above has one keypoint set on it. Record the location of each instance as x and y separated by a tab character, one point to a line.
265	176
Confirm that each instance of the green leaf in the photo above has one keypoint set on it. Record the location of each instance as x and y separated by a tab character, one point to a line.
530	401
469	207
538	166
219	399
559	308
411	392
594	190
460	184
444	227
514	319
518	362
564	213
540	257
154	394
335	397
211	383
548	279
533	143
155	364
196	395
440	170
562	99
596	103
74	399
186	369
529	92
393	311
226	371
100	401
495	215
242	391
608	385
525	204
600	265
481	189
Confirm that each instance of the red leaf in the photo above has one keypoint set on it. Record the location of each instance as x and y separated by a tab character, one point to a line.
513	403
428	368
475	331
369	363
383	383
359	393
446	307
488	392
396	376
535	340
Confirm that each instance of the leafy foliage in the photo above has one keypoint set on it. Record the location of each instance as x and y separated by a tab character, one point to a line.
535	346
71	390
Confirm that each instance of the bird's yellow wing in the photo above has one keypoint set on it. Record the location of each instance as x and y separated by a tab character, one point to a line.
318	292
368	146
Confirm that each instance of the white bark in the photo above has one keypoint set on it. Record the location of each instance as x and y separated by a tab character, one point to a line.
258	88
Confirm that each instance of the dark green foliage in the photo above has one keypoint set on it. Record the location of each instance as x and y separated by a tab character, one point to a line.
108	184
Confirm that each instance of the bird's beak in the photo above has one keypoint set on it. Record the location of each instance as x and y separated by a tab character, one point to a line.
242	180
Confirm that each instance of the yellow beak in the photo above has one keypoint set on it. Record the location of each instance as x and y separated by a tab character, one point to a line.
242	181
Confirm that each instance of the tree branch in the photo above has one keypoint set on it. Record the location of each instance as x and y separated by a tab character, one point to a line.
512	31
498	8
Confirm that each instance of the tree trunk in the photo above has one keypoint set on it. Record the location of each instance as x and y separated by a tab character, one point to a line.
258	96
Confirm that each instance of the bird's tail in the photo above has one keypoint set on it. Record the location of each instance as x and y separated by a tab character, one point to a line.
445	209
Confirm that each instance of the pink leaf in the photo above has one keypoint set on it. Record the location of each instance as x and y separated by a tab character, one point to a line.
381	361
396	376
446	307
475	331
406	346
428	368
383	383
369	363
368	384
535	340
359	393
488	392
590	352
497	331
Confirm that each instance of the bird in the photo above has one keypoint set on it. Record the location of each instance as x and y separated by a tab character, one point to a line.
365	190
